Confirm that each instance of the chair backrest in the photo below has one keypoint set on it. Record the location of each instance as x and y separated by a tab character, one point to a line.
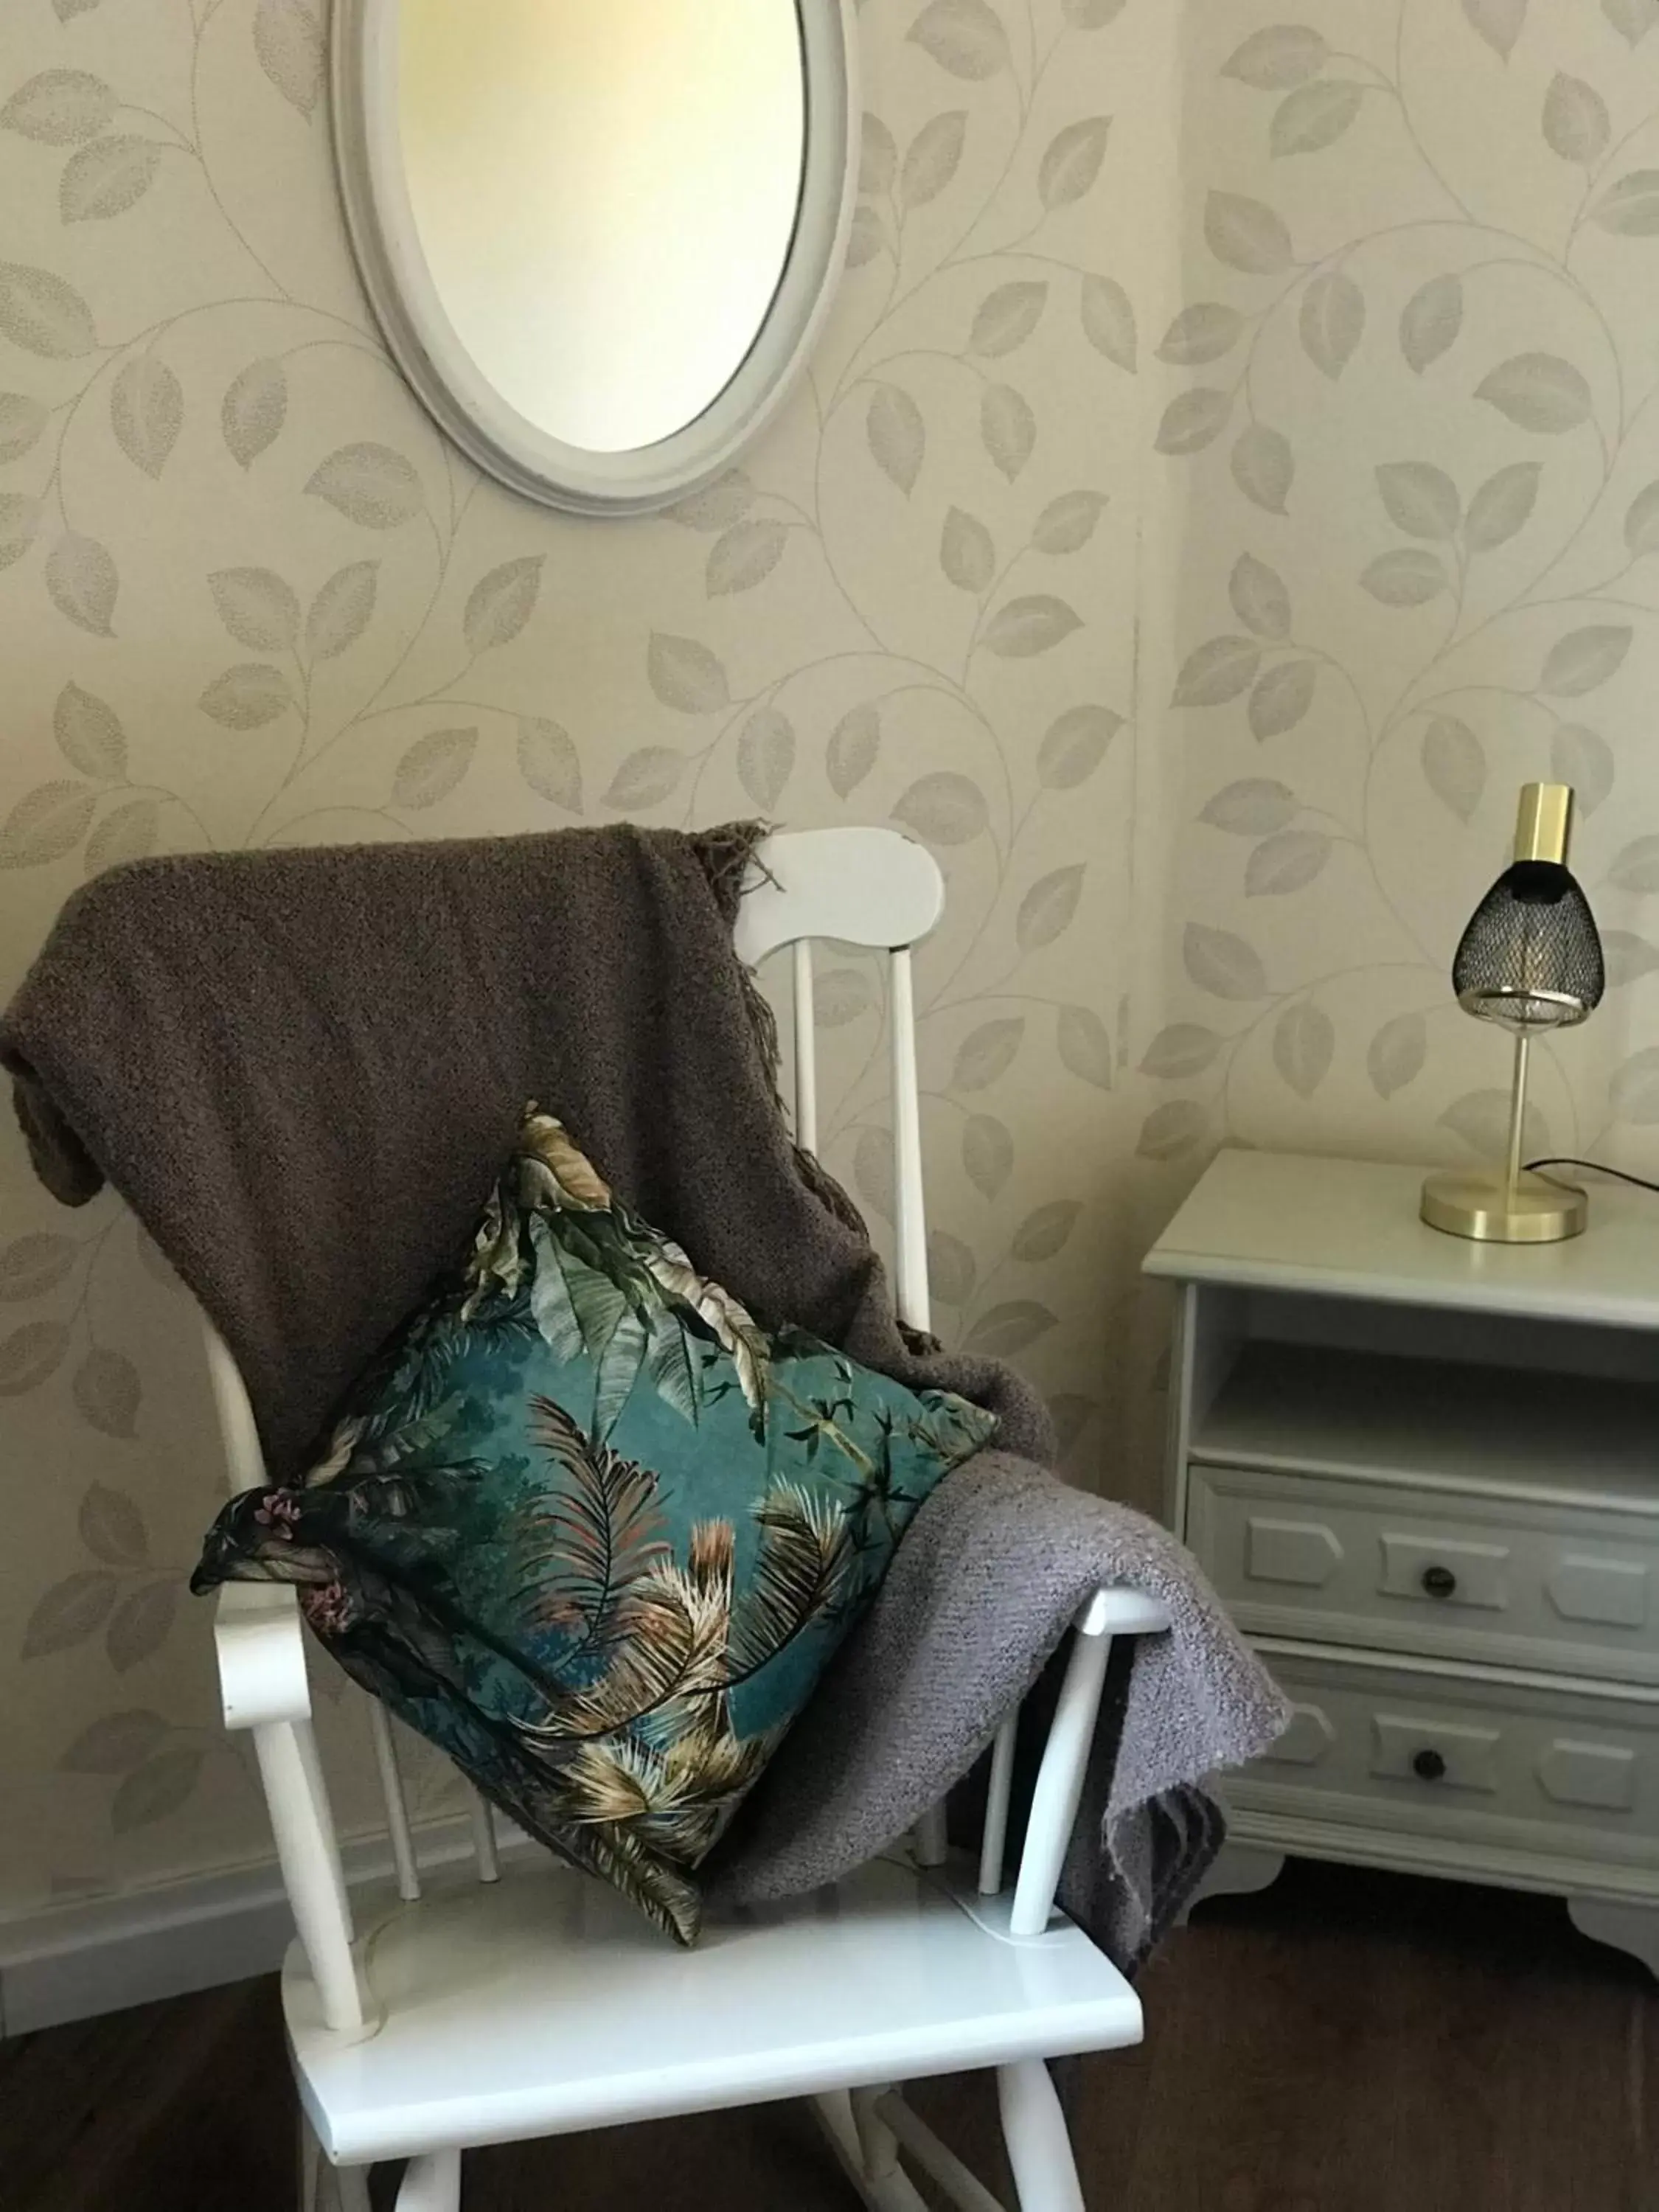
869	887
866	887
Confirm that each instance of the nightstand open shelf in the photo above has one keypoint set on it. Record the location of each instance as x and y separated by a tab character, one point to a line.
1424	1476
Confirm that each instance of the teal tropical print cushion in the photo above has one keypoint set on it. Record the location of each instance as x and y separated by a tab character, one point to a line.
593	1531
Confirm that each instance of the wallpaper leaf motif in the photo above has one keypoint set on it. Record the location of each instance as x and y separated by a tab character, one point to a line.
31	1264
1074	745
897	435
1316	115
1430	320
1281	698
1220	962
1499	23
128	832
1397	1053
1072	160
987	1053
549	762
1200	333
370	484
945	807
83	583
1304	1044
1109	319
965	37
646	777
1252	807
1453	764
288	39
1006	317
60	107
1631	208
1260	597
1287	861
1247	234
1049	907
1084	1046
1576	122
1584	659
342	609
685	675
43	314
146	412
931	160
987	1153
254	410
1331	322
258	608
766	757
69	1611
107	178
1027	626
45	823
1503	506
1584	759
247	696
1283	55
20	525
30	1354
855	745
1540	391
22	420
1008	428
1263	466
432	767
743	557
501	603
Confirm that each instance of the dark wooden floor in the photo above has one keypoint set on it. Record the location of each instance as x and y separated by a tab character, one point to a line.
1344	2043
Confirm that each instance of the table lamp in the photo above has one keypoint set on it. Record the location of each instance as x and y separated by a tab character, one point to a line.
1530	960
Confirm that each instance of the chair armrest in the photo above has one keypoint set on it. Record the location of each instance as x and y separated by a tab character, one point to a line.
262	1654
1118	1612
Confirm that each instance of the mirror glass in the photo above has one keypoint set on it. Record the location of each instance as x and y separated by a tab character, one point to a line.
606	195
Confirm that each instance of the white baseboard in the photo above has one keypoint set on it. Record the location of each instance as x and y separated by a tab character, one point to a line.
75	1960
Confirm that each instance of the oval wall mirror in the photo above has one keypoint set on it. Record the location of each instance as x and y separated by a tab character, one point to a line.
598	234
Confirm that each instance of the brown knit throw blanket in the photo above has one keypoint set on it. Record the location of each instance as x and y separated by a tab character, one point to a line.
303	1069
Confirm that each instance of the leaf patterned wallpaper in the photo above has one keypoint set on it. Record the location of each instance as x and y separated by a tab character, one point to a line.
1408	410
249	597
1230	469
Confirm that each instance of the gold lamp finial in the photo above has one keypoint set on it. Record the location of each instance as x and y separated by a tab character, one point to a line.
1543	823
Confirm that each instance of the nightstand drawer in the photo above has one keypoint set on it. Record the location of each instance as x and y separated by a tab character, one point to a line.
1472	1758
1501	1581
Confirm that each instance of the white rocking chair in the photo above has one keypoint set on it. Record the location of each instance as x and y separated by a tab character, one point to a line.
534	2001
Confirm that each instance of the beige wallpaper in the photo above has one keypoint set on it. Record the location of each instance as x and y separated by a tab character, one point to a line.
249	597
1412	502
1233	467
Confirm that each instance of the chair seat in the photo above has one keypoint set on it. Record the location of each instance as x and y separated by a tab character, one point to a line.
542	2003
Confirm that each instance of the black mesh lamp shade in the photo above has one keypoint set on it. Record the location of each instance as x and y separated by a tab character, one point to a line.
1530	960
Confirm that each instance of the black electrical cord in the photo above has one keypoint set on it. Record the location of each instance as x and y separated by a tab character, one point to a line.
1595	1166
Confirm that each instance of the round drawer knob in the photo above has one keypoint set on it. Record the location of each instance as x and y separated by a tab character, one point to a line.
1439	1582
1428	1766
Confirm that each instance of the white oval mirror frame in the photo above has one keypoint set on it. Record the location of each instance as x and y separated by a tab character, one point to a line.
379	216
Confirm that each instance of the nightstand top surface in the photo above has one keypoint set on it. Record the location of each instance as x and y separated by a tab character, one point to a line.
1349	1229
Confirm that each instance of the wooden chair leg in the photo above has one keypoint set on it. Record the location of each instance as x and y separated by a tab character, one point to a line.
311	2166
1039	2147
432	2184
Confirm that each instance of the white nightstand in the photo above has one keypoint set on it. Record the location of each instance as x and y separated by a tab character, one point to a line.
1424	1475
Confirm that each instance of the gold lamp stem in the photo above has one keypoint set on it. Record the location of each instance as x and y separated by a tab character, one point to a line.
1518	1115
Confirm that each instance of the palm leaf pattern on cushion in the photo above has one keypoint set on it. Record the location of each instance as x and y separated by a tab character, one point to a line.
594	1529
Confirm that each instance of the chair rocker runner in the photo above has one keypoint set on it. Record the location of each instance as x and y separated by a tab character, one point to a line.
497	2004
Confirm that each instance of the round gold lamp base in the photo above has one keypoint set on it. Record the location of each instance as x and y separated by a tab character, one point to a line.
1491	1211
